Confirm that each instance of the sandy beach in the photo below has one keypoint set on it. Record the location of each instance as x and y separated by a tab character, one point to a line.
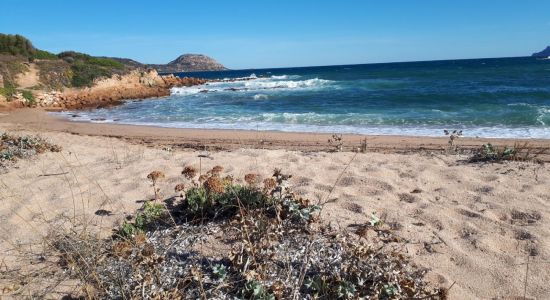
473	225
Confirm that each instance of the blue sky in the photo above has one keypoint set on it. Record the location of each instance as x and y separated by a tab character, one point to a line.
282	33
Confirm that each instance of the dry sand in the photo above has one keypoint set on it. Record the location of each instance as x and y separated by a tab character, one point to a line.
472	224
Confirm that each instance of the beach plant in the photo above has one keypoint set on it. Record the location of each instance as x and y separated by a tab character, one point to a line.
31	101
518	152
273	246
453	137
151	214
154	177
363	146
220	270
189	172
180	188
374	220
13	147
8	91
336	142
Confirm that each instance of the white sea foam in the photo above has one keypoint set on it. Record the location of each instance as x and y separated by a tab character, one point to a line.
252	85
543	115
289	84
284	77
260	97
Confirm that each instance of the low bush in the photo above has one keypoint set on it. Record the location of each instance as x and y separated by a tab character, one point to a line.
268	244
151	215
14	147
8	92
84	74
28	95
518	152
42	54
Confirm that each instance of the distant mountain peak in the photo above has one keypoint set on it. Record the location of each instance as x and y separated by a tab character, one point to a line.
190	63
544	53
183	63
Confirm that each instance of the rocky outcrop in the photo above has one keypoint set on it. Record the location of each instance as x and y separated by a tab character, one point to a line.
543	54
184	63
190	63
112	91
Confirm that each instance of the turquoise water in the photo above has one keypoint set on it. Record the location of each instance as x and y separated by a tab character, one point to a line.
506	97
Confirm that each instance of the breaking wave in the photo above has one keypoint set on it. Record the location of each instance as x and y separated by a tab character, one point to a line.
253	83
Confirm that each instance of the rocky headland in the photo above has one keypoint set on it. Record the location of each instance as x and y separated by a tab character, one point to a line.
30	77
184	63
112	91
542	54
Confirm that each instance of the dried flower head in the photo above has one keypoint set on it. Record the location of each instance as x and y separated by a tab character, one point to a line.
279	176
203	178
269	184
251	178
189	172
227	180
214	185
155	176
216	170
179	187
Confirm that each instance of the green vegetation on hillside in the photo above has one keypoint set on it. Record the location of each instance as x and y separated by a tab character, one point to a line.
16	45
8	91
86	68
66	69
42	54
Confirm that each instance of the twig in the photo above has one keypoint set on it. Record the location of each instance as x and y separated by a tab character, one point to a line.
338	179
53	174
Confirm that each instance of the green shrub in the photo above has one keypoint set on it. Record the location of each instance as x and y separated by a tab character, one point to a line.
8	91
85	74
29	97
488	152
105	62
42	54
150	216
200	201
16	45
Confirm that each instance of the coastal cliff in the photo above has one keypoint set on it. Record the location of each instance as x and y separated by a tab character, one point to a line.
30	77
112	91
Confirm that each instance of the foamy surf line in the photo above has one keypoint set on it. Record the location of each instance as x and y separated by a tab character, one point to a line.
253	83
427	131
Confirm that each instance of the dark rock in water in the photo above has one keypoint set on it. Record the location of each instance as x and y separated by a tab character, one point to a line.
543	54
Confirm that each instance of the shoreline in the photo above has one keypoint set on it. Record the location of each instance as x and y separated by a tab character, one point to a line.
231	139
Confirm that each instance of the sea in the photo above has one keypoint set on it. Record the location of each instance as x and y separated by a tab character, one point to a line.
497	98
